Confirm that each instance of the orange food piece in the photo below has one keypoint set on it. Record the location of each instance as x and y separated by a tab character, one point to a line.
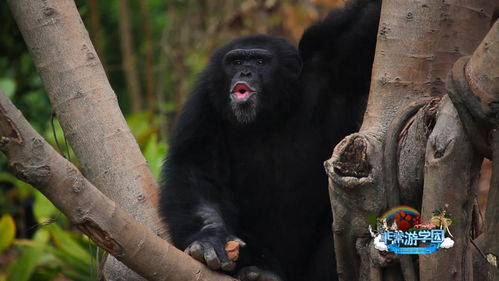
232	250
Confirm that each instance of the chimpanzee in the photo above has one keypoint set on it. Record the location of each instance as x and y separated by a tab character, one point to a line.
245	162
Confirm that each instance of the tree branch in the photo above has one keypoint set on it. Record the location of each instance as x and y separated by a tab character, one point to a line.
451	175
87	109
481	76
33	160
482	73
418	42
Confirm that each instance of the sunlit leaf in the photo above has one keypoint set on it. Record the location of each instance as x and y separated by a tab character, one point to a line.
7	231
64	241
154	153
77	264
8	86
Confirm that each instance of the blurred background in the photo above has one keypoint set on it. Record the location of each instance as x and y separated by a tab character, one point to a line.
152	51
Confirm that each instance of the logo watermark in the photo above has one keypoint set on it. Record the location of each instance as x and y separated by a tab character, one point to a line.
400	230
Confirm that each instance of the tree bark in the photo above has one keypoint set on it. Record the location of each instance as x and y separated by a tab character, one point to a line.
454	156
129	57
87	108
490	245
418	42
33	160
482	74
451	175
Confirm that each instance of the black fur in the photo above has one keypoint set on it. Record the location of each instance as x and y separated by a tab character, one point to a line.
262	179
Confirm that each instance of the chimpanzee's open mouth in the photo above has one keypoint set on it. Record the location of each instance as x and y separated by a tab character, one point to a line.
241	91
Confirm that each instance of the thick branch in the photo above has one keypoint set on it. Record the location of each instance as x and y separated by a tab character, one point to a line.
418	42
451	173
482	73
476	95
474	90
33	160
86	106
491	243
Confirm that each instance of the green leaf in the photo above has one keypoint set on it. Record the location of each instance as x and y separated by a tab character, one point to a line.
7	177
68	244
77	276
43	209
24	266
7	232
8	86
139	123
154	153
78	265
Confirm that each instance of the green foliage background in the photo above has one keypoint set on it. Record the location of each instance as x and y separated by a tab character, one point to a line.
172	41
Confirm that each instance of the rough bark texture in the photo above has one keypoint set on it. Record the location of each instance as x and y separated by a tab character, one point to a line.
453	159
451	172
482	73
33	160
491	242
412	154
418	42
87	108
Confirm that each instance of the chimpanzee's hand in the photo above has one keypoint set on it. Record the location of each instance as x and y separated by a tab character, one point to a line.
253	273
211	251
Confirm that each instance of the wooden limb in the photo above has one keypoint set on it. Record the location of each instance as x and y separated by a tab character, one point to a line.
474	90
491	243
475	93
87	108
451	173
418	42
411	154
486	256
482	73
33	160
391	171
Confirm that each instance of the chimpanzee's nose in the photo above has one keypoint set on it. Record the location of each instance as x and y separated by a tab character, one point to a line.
245	73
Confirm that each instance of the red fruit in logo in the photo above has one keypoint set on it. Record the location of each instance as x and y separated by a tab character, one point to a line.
405	221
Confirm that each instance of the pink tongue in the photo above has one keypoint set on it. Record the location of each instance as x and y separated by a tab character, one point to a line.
240	95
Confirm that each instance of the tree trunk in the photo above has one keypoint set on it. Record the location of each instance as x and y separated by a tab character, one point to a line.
418	42
482	74
129	58
490	245
451	174
87	108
